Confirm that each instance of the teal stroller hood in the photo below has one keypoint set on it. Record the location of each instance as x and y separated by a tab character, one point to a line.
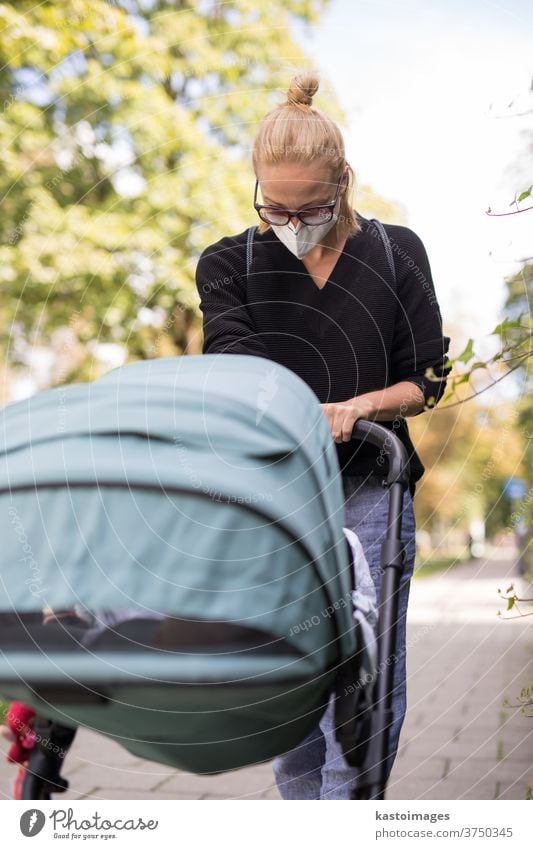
174	572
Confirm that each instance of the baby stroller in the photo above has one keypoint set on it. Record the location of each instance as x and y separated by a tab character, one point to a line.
174	572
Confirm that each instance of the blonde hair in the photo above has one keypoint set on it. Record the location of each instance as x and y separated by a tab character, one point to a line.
294	131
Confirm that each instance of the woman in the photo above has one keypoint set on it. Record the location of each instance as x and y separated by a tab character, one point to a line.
321	300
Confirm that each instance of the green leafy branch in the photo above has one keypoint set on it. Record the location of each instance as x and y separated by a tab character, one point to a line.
515	350
525	702
515	335
527	193
512	600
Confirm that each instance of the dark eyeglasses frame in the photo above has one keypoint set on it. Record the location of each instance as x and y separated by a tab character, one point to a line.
297	213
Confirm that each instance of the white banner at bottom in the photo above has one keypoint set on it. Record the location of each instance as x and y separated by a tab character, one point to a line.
272	824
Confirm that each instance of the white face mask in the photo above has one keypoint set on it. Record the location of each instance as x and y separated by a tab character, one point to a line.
305	237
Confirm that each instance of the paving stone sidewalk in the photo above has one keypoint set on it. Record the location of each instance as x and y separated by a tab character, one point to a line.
458	741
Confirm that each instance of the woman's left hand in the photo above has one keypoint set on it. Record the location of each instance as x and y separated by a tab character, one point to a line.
343	415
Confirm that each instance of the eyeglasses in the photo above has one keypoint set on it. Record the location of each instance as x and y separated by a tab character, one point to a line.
311	215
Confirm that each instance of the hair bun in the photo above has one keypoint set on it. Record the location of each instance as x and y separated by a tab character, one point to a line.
302	88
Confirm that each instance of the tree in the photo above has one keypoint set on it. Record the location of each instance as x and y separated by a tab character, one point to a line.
122	141
468	453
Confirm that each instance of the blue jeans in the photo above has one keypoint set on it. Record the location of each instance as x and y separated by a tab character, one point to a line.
316	768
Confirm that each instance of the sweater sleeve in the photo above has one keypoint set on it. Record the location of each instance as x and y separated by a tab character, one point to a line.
227	324
418	343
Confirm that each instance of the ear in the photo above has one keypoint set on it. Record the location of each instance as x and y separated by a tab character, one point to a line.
345	177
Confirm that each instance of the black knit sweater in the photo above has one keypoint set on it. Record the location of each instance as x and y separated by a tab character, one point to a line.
357	334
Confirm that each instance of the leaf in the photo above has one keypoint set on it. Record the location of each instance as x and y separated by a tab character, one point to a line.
510	602
468	352
525	194
463	379
508	324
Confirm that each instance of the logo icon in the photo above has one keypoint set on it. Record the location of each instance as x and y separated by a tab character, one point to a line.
32	822
268	389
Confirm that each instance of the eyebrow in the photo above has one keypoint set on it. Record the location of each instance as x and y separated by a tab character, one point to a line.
306	206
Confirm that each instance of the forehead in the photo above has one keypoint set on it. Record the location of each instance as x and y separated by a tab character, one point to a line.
290	183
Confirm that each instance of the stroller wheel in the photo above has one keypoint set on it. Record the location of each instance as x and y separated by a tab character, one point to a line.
41	776
36	781
34	787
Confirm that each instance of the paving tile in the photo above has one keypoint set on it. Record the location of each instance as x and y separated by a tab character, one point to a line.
505	772
421	768
92	748
272	794
208	796
518	789
101	776
406	789
104	793
453	789
235	784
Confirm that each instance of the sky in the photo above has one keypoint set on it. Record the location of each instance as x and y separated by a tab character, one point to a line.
425	86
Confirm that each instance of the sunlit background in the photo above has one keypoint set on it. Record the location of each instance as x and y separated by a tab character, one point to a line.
438	105
125	140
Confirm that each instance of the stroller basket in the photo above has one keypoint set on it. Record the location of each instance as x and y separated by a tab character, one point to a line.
174	573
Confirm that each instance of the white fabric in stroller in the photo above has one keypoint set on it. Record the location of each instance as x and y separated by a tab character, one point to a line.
364	602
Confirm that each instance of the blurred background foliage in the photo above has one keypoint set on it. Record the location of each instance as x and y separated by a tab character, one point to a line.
123	135
125	132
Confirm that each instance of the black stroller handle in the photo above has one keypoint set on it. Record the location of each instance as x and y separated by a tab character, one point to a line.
388	442
372	762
